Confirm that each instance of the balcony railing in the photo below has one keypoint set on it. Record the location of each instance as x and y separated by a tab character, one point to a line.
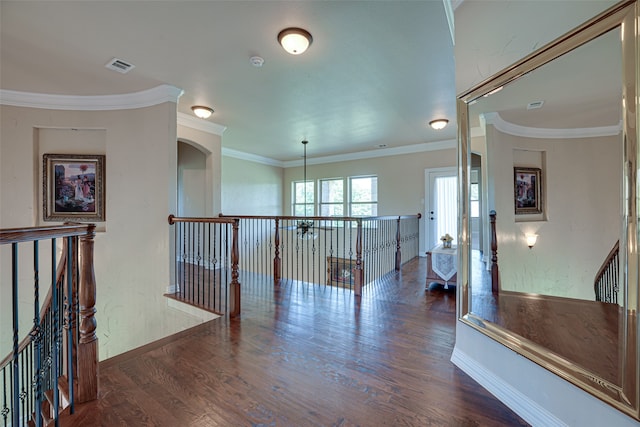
337	251
214	255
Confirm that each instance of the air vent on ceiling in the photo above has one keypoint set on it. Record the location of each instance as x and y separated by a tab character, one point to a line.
534	105
119	65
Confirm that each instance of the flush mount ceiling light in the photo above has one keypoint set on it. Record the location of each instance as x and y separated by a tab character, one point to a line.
202	112
438	124
295	40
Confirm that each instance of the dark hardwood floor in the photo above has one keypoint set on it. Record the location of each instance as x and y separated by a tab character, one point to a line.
304	355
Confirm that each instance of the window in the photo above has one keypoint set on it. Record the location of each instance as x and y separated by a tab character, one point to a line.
299	194
474	195
333	200
332	197
363	196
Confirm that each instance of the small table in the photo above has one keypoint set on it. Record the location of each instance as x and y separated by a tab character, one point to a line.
442	265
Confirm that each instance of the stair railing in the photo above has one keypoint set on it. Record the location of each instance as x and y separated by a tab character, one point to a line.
55	365
606	283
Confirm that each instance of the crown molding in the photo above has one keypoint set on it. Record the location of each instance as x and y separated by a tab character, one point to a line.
127	101
200	124
383	152
251	157
547	133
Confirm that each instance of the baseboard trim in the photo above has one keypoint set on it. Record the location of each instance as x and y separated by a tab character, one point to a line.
519	403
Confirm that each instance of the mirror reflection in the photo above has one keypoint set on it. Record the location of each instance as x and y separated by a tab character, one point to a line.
547	157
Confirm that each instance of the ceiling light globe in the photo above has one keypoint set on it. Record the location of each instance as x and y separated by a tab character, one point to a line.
201	111
295	40
438	124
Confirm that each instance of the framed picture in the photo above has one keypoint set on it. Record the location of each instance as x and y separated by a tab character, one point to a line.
342	271
527	187
73	187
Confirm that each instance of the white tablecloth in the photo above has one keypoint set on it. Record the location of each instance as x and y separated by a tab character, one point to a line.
444	261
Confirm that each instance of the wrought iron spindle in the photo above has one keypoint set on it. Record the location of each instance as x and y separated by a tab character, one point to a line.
14	301
56	332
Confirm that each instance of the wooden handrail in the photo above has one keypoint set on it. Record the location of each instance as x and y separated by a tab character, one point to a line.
322	218
29	234
174	219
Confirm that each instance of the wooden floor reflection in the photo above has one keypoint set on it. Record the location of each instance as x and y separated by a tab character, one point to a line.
584	332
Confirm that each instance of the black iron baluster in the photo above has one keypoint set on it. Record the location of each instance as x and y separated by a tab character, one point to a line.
5	409
207	257
56	333
70	275
14	301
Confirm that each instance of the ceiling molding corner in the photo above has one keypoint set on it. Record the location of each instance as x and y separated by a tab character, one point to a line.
251	157
384	152
127	101
200	124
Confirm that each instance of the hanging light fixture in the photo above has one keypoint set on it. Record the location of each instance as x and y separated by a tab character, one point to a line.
304	228
202	111
438	123
295	40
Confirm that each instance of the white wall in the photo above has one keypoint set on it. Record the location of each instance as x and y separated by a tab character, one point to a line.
250	188
516	29
132	250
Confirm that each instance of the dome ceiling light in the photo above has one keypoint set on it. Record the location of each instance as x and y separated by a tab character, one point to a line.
295	40
202	111
438	124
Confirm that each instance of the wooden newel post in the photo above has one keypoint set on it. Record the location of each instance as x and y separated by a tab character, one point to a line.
88	344
495	288
235	285
398	249
277	262
359	279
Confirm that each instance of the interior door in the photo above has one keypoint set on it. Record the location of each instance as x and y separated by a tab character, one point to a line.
441	186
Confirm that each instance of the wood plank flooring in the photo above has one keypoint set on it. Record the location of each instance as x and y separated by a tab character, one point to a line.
304	355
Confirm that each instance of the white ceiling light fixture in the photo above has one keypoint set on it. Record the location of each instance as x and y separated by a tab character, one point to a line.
202	111
295	40
438	124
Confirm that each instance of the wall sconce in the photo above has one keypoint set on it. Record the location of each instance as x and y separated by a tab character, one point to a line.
295	40
201	111
531	240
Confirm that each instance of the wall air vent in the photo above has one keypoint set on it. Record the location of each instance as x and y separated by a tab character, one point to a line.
534	105
119	65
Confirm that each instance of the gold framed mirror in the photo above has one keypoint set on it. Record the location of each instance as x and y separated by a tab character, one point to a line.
549	145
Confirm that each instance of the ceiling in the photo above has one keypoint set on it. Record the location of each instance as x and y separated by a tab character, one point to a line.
376	73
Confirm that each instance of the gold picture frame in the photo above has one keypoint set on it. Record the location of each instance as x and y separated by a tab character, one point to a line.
73	187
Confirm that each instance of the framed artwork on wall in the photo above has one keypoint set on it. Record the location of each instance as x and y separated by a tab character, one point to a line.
74	188
527	188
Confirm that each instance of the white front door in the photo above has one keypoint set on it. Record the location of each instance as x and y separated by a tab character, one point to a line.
441	205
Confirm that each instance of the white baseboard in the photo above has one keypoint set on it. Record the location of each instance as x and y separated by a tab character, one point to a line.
519	403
